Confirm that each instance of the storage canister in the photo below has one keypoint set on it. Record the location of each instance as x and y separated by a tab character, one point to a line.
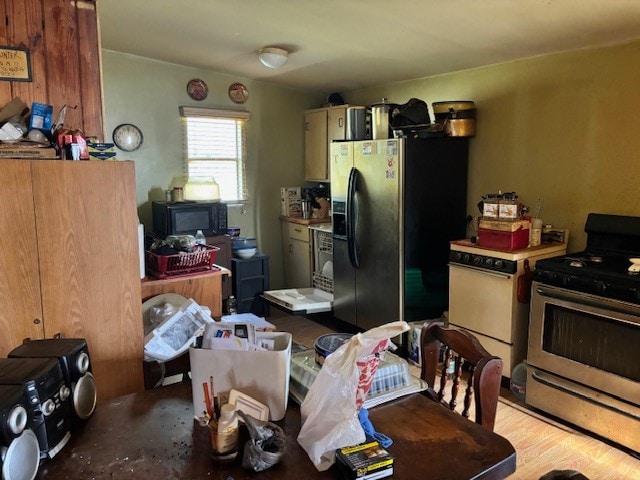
356	123
381	119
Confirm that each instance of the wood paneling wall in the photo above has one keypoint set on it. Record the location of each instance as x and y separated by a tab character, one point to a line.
64	45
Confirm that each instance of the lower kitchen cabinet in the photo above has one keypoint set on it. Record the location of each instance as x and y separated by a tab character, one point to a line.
250	278
296	254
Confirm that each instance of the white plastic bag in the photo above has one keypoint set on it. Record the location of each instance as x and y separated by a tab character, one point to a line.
330	409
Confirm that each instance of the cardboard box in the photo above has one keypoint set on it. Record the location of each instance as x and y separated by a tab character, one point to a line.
290	202
264	375
367	461
101	151
413	340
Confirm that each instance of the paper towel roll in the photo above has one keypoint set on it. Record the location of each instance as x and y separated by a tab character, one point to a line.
141	249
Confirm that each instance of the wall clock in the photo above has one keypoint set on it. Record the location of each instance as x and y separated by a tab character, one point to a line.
127	137
197	89
238	93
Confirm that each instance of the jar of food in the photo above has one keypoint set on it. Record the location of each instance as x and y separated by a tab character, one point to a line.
178	194
491	205
509	208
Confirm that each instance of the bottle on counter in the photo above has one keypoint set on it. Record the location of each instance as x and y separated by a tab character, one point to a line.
232	305
225	446
536	232
200	239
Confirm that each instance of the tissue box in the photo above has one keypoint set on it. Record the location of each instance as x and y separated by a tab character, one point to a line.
41	117
101	151
264	375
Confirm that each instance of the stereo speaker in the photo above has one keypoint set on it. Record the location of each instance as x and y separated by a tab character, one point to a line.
73	355
47	399
19	450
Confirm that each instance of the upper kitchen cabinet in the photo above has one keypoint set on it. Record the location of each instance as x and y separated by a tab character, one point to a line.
64	51
321	126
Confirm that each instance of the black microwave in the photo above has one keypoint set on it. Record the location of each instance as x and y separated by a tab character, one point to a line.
186	218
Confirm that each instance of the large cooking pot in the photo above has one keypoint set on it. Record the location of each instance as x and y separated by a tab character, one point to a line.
381	119
458	116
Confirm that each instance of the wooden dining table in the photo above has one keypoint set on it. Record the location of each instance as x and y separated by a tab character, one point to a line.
153	435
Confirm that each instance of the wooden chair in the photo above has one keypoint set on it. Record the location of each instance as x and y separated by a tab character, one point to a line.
484	371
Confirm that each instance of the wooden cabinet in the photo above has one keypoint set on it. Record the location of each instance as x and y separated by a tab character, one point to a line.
69	256
296	253
64	49
321	127
204	288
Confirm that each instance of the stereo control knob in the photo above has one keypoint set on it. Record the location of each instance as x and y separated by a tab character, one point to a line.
64	392
82	363
17	420
48	407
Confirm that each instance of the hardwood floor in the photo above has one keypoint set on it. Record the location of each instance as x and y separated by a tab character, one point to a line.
542	444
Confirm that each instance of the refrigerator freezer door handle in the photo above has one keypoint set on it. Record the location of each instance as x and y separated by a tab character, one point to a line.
354	175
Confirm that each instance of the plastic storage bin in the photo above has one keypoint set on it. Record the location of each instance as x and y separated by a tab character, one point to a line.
392	375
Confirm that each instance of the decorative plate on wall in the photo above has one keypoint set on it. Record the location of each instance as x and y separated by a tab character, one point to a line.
197	89
238	93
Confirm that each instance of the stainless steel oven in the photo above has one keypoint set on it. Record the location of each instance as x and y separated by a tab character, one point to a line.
584	362
584	333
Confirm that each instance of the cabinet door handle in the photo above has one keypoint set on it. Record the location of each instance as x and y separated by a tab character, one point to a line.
299	230
306	126
340	122
36	321
290	248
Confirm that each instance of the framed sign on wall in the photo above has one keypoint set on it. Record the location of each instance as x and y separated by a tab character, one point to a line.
15	64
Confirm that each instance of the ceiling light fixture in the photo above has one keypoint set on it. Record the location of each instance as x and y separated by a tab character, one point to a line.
273	57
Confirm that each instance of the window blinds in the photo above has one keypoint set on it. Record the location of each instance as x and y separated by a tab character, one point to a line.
214	146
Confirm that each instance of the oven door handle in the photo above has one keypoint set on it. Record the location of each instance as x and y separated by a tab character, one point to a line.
484	271
603	304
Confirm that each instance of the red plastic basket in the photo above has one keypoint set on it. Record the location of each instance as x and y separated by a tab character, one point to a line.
200	259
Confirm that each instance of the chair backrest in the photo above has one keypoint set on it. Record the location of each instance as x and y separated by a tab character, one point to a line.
464	350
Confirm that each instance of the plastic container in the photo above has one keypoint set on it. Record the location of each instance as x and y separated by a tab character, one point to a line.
518	381
224	440
200	238
200	259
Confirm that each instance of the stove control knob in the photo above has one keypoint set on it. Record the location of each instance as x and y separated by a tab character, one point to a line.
466	258
498	264
458	256
488	262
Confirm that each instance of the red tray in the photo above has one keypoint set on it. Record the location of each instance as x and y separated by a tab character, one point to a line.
200	259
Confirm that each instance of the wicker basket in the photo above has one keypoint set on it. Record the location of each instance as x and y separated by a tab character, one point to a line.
200	259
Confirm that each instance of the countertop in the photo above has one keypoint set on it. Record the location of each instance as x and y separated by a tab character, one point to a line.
305	221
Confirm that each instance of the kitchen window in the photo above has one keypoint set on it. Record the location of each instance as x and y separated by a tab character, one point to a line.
214	146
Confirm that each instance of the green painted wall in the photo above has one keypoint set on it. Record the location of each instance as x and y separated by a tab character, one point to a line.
148	93
564	128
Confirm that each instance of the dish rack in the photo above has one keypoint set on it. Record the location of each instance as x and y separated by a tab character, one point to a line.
323	254
200	259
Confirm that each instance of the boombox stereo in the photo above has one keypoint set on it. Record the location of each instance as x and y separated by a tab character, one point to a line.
47	399
73	355
19	449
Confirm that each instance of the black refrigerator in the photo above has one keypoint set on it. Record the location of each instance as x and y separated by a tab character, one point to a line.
396	205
